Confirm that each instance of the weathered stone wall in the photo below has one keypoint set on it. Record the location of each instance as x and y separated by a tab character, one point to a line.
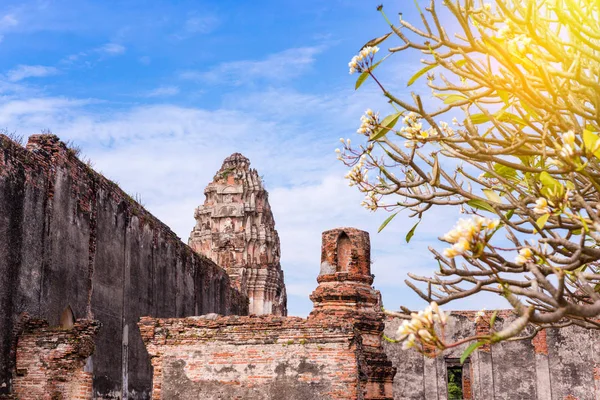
557	364
50	361
69	236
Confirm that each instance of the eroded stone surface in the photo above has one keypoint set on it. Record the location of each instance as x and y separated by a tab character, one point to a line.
235	229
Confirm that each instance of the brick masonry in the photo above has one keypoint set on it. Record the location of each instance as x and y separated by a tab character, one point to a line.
336	353
50	361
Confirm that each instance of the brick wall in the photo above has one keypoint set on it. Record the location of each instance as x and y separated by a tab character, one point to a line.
50	361
258	357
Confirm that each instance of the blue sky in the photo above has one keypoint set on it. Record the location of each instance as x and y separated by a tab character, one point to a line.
158	93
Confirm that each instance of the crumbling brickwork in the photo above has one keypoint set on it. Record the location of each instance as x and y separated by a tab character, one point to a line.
71	237
258	357
235	228
555	364
50	361
336	353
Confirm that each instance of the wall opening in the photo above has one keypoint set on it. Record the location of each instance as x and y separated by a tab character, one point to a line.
458	379
67	318
344	248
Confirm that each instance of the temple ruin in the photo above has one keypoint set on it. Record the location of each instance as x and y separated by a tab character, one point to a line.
101	300
235	228
336	353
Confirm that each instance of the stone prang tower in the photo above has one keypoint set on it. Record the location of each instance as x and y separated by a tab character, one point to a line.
235	229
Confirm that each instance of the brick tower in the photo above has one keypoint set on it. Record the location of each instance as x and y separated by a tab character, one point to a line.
345	293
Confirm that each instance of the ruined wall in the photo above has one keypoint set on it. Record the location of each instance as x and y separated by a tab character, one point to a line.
259	357
336	353
558	364
69	236
235	228
50	361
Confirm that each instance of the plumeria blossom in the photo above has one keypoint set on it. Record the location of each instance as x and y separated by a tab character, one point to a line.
525	256
479	315
357	174
369	122
541	206
469	235
371	201
420	329
567	150
414	132
363	59
519	44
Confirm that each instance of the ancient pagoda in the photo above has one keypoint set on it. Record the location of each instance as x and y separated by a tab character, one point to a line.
235	228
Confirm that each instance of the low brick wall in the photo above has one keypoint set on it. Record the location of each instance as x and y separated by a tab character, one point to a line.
50	361
257	357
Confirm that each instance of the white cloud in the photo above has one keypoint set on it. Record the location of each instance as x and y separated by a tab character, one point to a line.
111	49
8	21
204	24
30	71
163	91
280	66
169	153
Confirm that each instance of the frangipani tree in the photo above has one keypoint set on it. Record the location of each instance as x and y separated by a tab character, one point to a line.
512	140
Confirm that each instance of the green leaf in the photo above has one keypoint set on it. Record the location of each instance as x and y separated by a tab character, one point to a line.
541	222
460	63
420	73
547	180
361	78
585	225
590	139
503	94
469	350
509	214
387	124
481	205
510	117
411	233
387	221
505	171
550	185
365	74
530	111
493	319
454	98
492	195
376	41
477	119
